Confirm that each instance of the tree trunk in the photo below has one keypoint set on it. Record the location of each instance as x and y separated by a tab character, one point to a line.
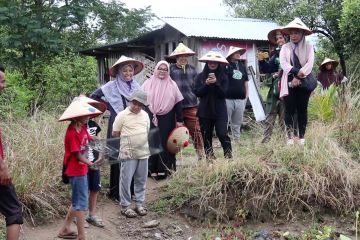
339	49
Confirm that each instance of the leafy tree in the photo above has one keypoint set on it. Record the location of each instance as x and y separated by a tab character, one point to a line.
33	33
322	16
350	24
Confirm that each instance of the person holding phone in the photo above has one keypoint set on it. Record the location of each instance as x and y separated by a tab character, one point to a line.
210	87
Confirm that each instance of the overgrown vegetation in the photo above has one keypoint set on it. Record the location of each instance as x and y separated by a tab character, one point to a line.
278	180
34	153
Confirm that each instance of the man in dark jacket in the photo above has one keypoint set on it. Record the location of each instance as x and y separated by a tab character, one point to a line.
274	105
184	74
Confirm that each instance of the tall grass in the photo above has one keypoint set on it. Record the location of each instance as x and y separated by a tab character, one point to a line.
276	179
34	153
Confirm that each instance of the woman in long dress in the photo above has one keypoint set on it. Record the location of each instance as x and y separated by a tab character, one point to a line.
115	94
165	111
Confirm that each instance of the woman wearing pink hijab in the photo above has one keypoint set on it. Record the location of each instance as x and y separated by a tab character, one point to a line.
297	61
165	111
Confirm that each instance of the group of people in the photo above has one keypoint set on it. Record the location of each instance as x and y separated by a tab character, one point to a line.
291	71
175	95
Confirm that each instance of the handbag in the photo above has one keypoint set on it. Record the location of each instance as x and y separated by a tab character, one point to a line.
308	83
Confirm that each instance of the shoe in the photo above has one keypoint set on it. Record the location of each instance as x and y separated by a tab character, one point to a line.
142	211
128	212
302	141
95	220
290	141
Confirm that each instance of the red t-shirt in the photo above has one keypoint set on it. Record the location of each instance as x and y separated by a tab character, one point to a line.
75	142
1	149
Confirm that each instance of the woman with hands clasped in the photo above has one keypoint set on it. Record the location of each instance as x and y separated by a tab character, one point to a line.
297	60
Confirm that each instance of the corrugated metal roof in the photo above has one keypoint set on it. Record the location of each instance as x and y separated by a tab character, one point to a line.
227	28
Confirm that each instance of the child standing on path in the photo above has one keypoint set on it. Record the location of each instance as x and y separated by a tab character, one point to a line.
76	162
132	125
9	204
93	177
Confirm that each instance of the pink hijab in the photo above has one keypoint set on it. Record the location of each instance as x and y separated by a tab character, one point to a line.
305	52
163	94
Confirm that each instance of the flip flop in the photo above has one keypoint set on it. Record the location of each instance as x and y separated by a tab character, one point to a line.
70	235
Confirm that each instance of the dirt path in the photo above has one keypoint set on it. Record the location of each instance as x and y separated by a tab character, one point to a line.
118	227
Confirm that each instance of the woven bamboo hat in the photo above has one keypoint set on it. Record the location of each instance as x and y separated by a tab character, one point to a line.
123	60
77	109
99	105
273	33
213	56
181	49
178	139
328	60
233	50
298	24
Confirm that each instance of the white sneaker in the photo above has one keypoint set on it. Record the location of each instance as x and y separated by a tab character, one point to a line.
302	141
290	141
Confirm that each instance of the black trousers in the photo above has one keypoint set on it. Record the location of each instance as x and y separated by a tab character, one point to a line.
207	128
296	104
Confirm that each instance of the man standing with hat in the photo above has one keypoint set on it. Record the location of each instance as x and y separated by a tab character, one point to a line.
9	204
184	74
274	105
237	92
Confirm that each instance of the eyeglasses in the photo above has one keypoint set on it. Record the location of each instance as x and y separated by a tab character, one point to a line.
163	69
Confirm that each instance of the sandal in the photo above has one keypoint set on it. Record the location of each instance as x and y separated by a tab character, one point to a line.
142	211
128	212
70	235
95	220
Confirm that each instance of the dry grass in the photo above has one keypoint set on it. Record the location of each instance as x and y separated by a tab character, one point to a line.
275	179
34	153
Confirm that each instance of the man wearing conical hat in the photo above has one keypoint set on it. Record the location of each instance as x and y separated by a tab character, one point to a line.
328	74
184	74
10	206
274	105
237	92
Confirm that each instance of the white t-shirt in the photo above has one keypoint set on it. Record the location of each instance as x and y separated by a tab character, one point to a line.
134	129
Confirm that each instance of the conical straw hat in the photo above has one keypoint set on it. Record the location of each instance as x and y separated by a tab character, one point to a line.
233	50
178	139
123	60
272	35
298	24
99	105
328	60
213	56
79	109
181	49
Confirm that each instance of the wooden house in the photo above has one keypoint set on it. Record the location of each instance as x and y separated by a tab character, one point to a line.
199	34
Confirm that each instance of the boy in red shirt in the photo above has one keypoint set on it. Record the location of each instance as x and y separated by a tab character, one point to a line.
76	162
9	204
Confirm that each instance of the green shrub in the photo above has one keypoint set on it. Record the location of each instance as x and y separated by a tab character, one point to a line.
15	99
322	103
68	76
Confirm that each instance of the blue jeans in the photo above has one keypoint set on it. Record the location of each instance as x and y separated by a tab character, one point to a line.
79	193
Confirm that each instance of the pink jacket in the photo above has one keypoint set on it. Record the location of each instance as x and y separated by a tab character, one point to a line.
285	62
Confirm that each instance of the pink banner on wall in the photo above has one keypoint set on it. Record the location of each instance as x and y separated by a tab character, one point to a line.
224	46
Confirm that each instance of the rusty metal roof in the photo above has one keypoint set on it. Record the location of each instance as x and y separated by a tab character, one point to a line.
226	28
